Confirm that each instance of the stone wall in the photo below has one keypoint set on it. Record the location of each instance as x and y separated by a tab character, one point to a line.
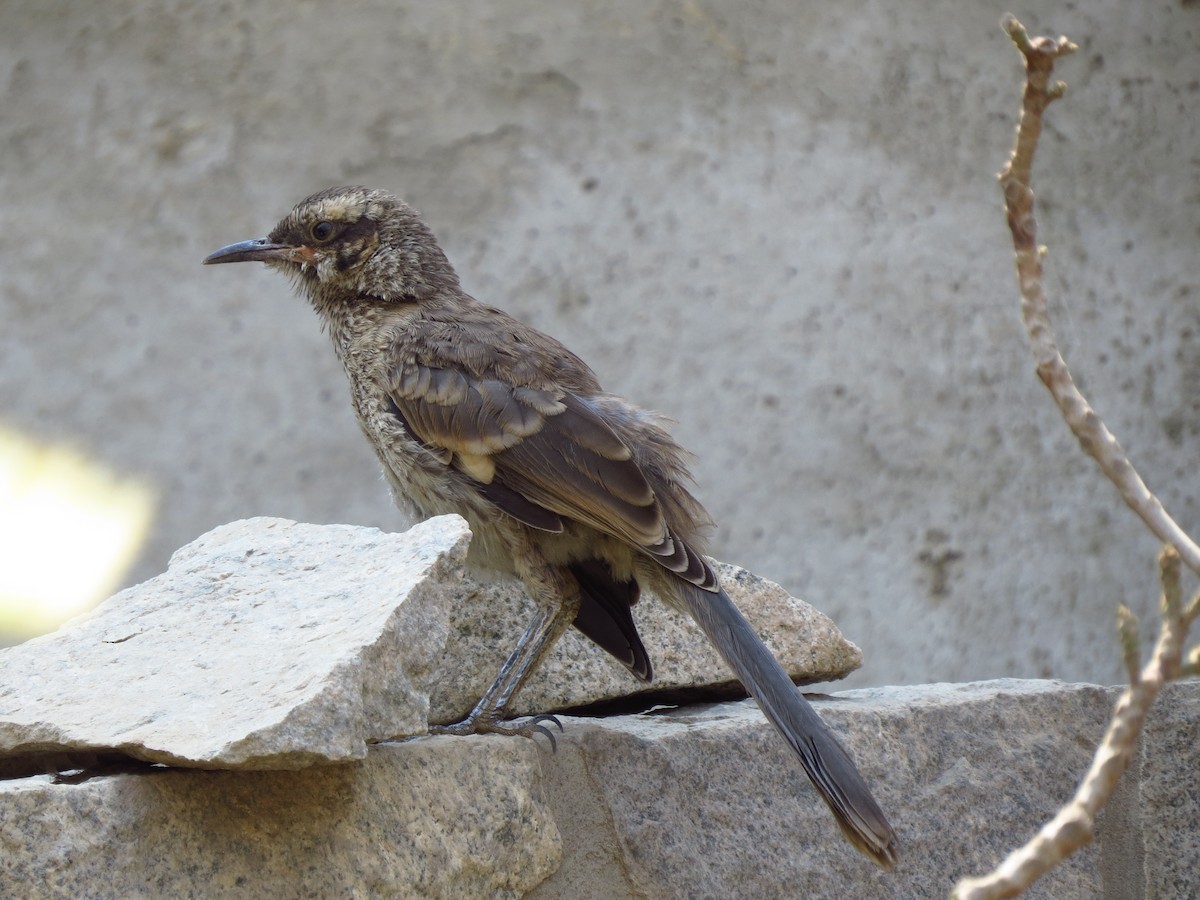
698	802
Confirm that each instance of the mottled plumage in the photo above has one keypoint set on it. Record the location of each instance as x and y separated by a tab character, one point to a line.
576	491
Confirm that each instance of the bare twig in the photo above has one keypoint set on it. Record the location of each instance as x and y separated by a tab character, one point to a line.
1097	441
1130	636
1191	666
1073	827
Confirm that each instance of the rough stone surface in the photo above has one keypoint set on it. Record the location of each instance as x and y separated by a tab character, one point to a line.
779	225
445	817
487	620
1167	798
696	802
269	644
266	644
706	802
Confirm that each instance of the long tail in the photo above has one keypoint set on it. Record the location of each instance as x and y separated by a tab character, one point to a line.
826	763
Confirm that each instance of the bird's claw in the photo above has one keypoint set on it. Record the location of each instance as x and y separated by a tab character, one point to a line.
481	725
535	725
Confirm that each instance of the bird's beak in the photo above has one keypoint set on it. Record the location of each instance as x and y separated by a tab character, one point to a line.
260	250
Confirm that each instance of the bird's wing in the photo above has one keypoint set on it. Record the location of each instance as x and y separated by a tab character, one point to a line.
541	455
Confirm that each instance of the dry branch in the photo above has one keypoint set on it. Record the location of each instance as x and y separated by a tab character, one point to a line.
1073	827
1015	178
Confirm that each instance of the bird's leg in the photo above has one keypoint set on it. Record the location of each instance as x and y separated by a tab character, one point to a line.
557	595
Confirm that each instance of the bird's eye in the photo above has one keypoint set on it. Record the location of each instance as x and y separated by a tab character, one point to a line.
322	231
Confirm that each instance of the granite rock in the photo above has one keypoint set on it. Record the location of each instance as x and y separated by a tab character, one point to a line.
707	802
434	817
269	644
491	614
696	801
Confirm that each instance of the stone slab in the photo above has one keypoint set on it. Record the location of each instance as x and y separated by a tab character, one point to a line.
699	801
444	817
490	616
267	644
708	802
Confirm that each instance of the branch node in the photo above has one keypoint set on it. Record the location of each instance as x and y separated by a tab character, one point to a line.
1040	46
1015	30
1191	665
1128	632
1172	595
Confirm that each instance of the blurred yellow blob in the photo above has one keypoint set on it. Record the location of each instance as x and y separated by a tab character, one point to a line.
69	529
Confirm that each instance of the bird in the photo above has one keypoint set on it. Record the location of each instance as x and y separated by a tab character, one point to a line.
577	492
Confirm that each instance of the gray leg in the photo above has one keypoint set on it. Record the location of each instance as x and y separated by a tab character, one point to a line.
557	595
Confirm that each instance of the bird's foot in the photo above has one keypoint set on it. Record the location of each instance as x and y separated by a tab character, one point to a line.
529	728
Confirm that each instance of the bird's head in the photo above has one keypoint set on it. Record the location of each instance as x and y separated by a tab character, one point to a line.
351	241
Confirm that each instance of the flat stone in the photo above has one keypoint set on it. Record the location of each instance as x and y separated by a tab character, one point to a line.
433	817
709	802
267	644
485	625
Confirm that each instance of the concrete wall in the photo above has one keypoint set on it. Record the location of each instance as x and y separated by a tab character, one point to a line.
777	222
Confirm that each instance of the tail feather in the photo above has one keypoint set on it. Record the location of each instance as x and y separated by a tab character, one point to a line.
825	761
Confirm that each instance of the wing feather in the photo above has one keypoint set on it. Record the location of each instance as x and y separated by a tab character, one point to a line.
550	447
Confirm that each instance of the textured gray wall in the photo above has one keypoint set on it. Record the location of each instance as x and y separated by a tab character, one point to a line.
777	222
